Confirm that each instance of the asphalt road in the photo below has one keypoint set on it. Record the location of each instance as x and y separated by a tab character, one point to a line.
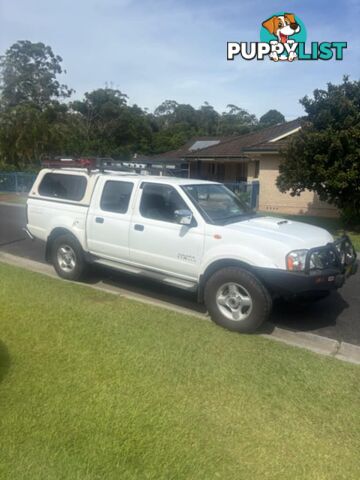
337	316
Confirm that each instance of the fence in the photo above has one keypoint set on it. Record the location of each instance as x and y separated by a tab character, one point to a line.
16	182
249	192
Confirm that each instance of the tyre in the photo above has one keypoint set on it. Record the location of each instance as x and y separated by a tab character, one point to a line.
237	300
68	258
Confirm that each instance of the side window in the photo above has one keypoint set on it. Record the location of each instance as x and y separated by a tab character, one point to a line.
116	196
160	202
61	185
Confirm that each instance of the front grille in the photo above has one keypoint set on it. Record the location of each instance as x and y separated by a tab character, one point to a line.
337	255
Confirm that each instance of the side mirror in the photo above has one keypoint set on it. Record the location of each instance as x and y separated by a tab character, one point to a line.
184	217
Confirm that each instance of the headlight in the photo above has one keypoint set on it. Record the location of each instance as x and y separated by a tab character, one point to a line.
295	261
319	260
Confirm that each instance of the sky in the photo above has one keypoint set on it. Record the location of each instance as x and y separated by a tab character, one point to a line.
154	50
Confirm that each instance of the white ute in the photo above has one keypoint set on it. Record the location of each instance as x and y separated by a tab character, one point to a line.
191	234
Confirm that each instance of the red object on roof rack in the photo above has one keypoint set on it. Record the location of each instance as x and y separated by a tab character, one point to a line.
89	163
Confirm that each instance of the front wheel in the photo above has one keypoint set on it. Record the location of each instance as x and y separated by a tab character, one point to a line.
68	258
237	300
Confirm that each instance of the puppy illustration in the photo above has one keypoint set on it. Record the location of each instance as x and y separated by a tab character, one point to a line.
282	27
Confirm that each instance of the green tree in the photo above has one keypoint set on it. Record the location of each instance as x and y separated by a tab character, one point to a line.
27	134
236	121
272	117
170	113
168	107
174	124
35	120
112	127
28	74
32	119
208	119
172	137
325	156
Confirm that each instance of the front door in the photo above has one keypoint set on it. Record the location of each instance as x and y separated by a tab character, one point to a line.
157	240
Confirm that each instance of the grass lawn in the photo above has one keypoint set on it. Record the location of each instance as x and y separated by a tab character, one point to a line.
93	386
333	225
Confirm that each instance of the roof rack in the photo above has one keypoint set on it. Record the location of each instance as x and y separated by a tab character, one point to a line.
89	163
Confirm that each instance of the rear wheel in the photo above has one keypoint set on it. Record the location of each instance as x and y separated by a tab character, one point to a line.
237	300
68	258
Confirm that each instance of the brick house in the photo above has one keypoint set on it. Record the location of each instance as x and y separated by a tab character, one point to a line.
245	158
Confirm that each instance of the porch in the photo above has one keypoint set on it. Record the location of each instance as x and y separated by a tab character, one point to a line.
224	170
238	174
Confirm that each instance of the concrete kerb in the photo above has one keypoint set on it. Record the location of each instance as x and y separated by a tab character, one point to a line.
315	343
310	341
348	353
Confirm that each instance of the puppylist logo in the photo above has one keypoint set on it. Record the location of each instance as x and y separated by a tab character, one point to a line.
283	38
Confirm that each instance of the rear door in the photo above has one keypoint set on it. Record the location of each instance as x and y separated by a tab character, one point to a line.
109	218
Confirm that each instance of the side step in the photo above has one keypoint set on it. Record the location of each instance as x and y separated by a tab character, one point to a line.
159	277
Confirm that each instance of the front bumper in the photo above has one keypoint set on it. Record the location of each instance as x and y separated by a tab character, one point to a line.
341	264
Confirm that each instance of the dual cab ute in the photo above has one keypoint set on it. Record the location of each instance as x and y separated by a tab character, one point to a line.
191	234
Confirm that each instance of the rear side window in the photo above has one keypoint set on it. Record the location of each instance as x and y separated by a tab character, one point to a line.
116	196
60	185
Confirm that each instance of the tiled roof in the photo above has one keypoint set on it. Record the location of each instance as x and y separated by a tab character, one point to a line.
235	146
183	151
262	140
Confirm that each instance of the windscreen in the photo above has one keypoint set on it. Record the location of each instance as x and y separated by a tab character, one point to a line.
216	203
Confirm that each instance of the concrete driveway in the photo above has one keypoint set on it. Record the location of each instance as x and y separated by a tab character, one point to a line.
336	317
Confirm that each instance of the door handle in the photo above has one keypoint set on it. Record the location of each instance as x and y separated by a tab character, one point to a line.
139	228
99	220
